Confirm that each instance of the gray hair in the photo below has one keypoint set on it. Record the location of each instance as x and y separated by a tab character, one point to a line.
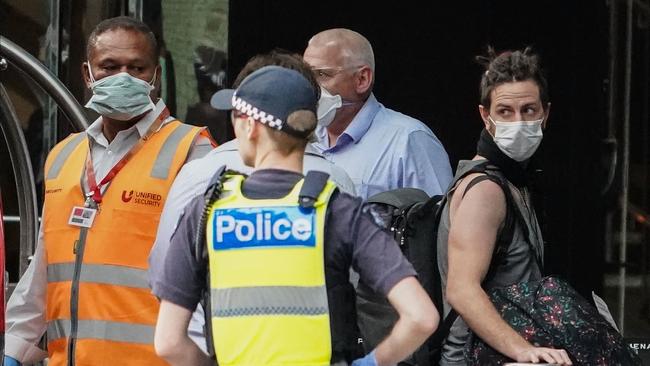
355	47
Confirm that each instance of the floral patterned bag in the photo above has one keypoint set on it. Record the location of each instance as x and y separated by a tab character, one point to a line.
550	313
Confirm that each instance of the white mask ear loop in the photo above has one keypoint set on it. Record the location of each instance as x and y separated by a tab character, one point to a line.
90	72
494	124
153	80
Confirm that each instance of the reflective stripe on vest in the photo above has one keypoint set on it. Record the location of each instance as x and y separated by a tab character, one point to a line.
267	279
99	273
105	330
63	155
161	167
270	300
99	304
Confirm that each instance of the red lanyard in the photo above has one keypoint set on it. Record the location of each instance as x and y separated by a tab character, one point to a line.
95	190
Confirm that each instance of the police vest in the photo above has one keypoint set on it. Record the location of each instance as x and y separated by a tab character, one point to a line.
100	310
267	279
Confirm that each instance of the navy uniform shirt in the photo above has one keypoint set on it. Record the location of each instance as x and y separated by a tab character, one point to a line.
352	239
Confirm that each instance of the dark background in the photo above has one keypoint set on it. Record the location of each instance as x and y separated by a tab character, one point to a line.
425	53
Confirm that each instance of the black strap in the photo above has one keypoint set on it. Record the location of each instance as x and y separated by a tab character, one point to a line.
212	194
443	329
476	181
493	173
514	213
216	178
313	185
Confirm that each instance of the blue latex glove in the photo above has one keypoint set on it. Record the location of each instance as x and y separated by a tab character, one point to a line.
368	360
10	361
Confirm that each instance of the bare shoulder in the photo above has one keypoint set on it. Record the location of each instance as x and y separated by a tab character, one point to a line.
485	193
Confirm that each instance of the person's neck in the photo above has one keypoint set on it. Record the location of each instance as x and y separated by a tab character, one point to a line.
111	127
271	159
341	122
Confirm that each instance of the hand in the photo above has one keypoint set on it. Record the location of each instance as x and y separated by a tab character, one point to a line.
542	354
368	360
10	361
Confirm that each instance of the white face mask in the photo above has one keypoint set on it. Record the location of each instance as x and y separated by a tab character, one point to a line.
519	140
327	106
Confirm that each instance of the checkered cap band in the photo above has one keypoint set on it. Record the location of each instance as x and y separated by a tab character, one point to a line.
261	116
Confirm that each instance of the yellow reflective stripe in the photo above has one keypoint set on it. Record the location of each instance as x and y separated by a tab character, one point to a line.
167	152
99	273
63	155
269	300
101	329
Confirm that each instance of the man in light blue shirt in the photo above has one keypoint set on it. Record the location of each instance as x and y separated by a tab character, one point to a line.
379	148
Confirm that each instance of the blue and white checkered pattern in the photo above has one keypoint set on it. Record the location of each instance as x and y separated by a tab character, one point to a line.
248	109
269	95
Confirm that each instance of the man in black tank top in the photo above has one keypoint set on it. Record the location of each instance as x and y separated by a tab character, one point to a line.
477	222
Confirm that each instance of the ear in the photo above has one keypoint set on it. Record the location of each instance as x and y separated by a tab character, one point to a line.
85	71
547	113
363	79
252	128
485	113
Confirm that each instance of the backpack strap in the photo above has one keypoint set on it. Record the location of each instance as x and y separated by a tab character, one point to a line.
476	181
437	339
512	212
513	215
312	187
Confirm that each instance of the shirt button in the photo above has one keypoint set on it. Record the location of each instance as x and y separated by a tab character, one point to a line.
109	152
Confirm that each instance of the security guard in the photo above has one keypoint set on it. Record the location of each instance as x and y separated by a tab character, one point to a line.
279	249
104	191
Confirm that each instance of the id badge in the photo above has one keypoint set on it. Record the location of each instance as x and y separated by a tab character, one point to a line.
82	216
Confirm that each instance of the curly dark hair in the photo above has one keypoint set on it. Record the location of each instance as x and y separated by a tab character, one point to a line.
510	66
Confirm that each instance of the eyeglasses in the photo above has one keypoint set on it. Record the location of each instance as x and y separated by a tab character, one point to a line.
330	72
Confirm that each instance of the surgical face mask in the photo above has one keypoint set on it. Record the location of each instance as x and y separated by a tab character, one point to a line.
519	140
120	96
327	106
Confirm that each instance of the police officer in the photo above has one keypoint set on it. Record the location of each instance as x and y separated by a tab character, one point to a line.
193	179
279	249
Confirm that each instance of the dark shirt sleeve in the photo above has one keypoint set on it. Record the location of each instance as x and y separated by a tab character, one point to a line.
373	252
182	279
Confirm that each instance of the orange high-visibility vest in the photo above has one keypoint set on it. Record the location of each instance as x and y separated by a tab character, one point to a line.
100	310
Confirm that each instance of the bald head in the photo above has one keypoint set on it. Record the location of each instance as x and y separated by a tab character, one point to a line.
353	48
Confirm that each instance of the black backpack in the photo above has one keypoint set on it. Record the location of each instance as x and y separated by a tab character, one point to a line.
413	218
411	215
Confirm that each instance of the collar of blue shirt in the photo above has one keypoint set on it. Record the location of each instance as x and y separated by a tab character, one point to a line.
356	129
